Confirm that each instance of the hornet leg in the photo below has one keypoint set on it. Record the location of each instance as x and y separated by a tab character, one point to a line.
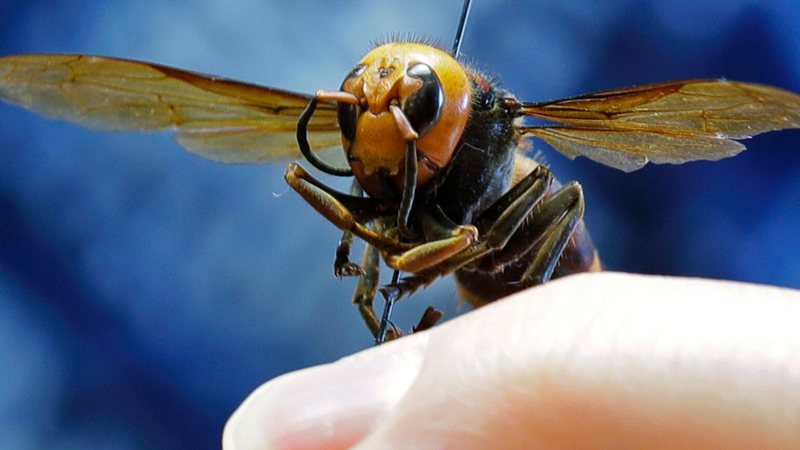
365	294
331	205
342	266
545	234
502	219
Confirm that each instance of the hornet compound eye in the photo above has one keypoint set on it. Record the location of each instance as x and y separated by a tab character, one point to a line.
424	106
347	112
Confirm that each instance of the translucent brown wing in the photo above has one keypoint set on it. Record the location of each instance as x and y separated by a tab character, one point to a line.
671	122
218	119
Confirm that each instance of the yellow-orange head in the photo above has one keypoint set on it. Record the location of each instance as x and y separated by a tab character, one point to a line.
433	91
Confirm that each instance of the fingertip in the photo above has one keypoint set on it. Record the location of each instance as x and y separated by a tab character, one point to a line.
330	406
612	360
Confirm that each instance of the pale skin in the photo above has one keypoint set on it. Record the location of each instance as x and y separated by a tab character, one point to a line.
603	360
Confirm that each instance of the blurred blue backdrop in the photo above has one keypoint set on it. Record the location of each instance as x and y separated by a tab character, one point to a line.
145	292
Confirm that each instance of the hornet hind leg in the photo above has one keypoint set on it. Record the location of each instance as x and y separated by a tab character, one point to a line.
528	228
534	252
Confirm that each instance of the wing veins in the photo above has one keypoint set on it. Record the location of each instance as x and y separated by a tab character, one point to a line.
218	118
670	122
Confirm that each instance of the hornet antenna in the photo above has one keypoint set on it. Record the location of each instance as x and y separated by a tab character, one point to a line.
462	24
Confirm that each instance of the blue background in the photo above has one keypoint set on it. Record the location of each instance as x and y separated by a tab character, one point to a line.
145	292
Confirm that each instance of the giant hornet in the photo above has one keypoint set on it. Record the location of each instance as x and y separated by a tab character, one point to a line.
440	183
